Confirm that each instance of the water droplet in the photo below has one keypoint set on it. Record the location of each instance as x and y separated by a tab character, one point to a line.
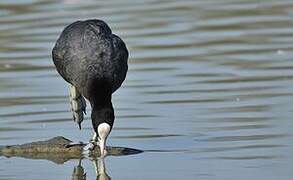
7	66
280	52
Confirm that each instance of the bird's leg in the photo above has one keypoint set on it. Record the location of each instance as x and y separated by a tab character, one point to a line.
78	105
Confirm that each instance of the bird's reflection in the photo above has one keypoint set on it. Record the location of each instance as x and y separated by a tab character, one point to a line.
78	172
100	169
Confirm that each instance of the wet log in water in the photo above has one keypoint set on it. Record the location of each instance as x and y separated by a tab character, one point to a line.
58	150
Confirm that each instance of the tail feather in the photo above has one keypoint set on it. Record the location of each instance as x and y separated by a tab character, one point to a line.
78	105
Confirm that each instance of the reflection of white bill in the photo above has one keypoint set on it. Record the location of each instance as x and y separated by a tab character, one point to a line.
100	169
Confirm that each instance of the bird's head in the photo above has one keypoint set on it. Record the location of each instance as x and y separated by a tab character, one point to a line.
103	120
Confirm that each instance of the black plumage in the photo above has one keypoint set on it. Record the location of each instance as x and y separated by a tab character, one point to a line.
94	60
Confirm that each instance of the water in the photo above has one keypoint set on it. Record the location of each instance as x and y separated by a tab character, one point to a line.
208	94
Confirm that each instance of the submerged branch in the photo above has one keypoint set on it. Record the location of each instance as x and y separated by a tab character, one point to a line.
58	150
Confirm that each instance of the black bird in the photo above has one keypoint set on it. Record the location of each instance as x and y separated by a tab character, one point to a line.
93	61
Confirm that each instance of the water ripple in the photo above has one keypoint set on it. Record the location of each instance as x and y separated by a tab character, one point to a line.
209	80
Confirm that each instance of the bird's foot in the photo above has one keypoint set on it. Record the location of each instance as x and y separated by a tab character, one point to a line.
89	147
